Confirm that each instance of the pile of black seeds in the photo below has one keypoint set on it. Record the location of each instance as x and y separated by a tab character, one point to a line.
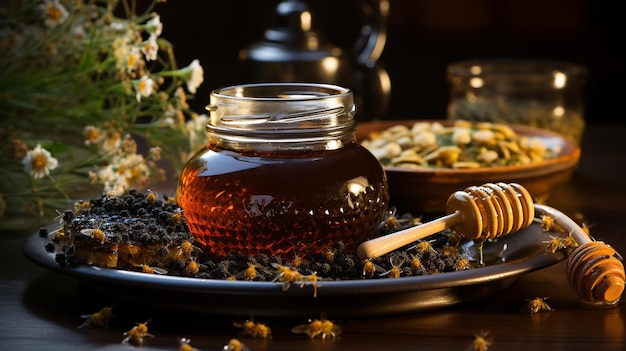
338	265
145	218
135	217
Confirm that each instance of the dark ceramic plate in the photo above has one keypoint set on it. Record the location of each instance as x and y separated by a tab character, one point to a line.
347	299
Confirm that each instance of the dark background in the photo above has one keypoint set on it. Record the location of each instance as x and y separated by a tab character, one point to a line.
423	37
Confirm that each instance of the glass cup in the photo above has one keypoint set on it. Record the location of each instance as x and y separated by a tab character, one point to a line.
540	93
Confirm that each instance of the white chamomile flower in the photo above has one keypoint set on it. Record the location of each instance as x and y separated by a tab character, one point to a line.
194	76
144	87
154	26
53	13
38	162
110	143
93	135
78	33
150	48
133	59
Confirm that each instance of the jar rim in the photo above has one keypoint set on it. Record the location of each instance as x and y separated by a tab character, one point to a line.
303	91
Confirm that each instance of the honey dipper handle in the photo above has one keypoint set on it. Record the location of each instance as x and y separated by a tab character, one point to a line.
384	244
563	221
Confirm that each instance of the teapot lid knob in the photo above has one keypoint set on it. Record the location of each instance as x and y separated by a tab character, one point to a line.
292	37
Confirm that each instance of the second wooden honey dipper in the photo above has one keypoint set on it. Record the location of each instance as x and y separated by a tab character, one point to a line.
594	269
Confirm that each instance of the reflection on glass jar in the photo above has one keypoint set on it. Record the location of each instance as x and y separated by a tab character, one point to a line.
282	173
540	93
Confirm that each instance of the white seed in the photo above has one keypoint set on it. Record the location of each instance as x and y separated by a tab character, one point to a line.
462	136
425	139
389	150
483	136
488	156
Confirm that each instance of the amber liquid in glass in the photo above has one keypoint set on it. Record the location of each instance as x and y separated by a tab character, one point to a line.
295	203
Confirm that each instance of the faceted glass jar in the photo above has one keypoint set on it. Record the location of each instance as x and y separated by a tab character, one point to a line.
282	173
539	93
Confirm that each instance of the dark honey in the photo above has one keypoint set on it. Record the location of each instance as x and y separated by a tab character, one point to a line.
295	203
282	173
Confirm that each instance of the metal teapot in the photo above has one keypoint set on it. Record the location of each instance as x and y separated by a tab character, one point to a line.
294	52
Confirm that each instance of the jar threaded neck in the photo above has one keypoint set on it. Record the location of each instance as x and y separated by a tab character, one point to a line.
311	115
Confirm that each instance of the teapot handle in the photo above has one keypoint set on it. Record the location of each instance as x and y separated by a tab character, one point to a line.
371	42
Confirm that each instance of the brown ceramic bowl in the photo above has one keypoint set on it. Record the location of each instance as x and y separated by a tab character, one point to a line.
426	191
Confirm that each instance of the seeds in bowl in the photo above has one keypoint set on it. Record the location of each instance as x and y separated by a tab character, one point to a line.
464	144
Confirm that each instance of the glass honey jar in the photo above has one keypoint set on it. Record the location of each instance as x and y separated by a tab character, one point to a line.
282	173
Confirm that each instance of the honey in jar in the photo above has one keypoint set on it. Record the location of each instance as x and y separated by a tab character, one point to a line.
282	173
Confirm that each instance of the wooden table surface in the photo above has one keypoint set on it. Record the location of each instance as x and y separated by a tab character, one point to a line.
40	309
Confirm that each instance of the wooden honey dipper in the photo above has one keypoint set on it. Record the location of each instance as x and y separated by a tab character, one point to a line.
478	213
594	270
